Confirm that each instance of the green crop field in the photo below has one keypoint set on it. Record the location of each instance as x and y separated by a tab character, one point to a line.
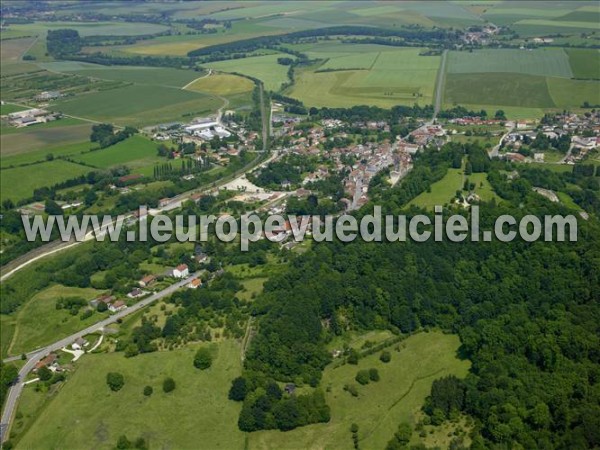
138	105
543	62
573	93
197	414
134	74
42	138
400	76
381	406
40	323
17	183
135	152
265	68
501	89
584	63
222	84
41	154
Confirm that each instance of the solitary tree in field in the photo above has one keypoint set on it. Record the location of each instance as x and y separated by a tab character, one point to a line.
203	359
115	381
168	385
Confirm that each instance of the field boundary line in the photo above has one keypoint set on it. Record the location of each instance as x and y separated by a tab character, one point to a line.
374	61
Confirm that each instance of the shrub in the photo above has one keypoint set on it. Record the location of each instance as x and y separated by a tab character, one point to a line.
115	381
168	385
362	377
203	359
373	374
385	356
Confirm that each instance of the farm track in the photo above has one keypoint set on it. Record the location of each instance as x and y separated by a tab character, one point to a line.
439	89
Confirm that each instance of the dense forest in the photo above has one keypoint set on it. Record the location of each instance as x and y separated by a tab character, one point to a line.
527	315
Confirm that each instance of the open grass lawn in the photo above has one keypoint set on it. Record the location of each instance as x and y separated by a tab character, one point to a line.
138	105
135	152
381	406
441	191
264	68
222	84
552	62
251	288
483	188
40	323
584	62
197	414
19	182
389	78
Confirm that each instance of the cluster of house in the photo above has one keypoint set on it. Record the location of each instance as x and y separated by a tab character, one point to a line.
480	35
46	96
584	132
202	130
30	117
370	158
50	361
424	136
110	301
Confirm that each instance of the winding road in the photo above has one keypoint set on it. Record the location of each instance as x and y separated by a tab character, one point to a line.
34	357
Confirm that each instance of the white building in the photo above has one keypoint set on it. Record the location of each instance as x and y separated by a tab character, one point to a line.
181	271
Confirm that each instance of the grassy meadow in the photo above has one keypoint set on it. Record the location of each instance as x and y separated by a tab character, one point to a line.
85	413
222	84
40	323
380	406
265	68
135	152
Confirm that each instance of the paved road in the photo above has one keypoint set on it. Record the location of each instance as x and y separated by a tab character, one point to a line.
439	89
495	151
35	356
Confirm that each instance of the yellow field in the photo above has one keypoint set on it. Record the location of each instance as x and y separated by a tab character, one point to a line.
221	84
165	48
